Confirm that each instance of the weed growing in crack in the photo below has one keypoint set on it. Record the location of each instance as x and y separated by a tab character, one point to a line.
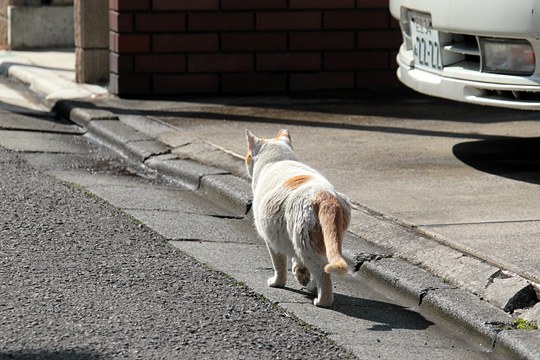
522	324
519	324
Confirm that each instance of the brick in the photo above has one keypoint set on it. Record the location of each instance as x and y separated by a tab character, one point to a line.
129	43
358	19
322	4
393	59
322	40
223	21
254	82
356	60
120	22
127	5
377	79
185	4
253	4
155	22
186	42
120	63
220	62
156	64
379	39
130	84
322	81
372	4
289	62
186	84
290	20
254	42
394	23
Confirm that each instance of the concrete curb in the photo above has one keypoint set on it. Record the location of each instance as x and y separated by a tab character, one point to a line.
44	82
105	127
462	306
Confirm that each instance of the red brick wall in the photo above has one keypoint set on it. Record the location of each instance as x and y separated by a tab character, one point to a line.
172	47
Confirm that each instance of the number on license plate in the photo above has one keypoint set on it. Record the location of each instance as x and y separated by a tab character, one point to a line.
426	47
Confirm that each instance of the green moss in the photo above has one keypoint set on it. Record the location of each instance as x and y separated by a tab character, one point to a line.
522	324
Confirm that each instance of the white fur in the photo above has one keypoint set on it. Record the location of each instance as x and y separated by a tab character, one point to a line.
285	217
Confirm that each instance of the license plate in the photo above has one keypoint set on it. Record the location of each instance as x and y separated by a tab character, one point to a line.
425	41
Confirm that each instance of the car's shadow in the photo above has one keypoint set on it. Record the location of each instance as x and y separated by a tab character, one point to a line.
512	158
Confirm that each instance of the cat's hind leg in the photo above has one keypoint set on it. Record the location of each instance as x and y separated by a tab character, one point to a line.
300	271
279	261
325	293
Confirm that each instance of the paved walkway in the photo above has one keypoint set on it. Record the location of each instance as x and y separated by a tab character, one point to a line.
450	187
464	177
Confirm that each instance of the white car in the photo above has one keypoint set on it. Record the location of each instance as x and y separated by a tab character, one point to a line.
477	51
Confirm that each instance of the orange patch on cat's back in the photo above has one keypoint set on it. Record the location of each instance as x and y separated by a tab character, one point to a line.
295	182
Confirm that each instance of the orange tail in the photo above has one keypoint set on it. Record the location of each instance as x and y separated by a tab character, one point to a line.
334	220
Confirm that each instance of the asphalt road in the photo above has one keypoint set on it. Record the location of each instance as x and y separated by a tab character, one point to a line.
81	280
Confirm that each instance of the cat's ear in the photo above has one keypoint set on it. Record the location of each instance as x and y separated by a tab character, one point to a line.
251	139
283	134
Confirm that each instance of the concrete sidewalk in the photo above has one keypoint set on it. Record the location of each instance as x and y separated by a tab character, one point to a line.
451	188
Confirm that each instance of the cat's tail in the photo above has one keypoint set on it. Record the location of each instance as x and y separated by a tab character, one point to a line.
334	219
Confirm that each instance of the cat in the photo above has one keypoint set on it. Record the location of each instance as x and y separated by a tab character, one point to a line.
299	214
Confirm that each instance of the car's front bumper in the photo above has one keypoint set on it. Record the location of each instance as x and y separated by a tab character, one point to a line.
482	90
461	26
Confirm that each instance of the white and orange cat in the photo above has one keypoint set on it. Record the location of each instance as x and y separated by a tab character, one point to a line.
299	214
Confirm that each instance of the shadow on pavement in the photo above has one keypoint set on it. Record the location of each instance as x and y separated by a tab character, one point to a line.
387	316
415	106
392	102
4	67
225	116
40	115
512	158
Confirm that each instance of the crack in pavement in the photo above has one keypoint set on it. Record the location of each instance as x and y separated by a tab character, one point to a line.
360	258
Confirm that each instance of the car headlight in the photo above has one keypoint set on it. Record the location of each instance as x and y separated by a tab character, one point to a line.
514	57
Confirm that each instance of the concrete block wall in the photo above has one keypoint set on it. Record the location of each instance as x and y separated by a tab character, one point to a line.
27	24
173	47
4	18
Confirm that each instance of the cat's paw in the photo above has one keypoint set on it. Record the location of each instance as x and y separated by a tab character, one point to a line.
324	300
275	282
324	303
302	274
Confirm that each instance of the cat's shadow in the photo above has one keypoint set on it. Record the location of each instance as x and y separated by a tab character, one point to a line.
385	316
